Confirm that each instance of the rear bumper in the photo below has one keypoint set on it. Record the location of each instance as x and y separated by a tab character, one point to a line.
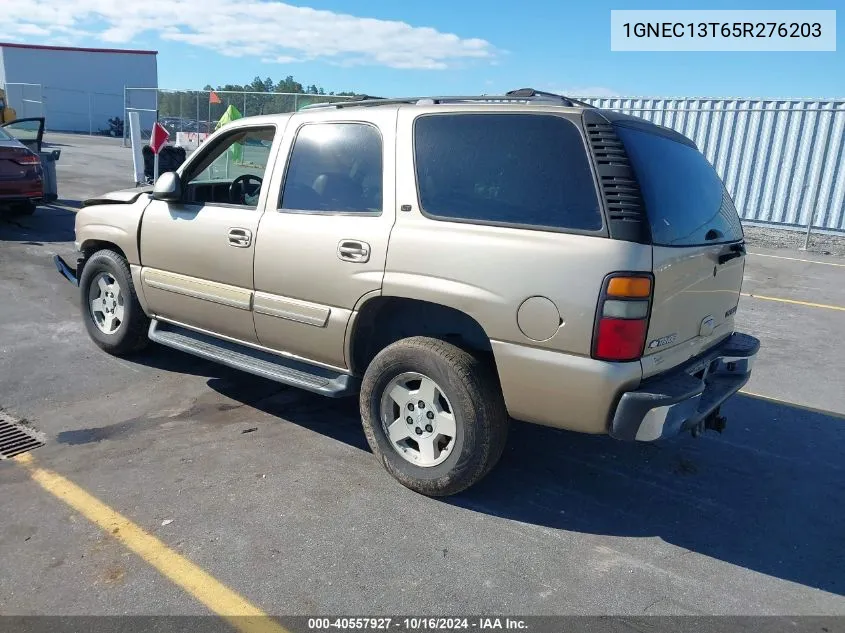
30	187
683	398
12	198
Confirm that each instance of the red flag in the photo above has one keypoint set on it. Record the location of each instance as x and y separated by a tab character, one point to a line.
213	98
159	137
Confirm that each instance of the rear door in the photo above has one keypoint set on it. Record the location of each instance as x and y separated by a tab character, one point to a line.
322	243
30	132
699	254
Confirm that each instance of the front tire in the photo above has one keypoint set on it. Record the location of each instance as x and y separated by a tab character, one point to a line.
433	414
113	316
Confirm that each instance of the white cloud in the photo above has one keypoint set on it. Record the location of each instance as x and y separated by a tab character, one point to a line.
271	31
31	29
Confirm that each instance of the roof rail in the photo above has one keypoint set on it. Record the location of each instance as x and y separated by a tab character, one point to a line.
523	95
532	93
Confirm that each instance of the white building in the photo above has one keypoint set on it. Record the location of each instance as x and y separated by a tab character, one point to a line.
75	89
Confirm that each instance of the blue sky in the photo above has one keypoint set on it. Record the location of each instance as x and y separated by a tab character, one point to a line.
387	47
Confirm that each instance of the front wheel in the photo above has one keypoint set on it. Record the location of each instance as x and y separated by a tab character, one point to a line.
433	414
110	308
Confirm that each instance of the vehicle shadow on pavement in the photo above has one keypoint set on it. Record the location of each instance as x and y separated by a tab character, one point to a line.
768	495
49	223
336	418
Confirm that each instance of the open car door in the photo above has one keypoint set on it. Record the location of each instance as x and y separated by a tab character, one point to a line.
30	132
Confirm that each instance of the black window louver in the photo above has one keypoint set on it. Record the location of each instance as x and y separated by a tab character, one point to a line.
619	188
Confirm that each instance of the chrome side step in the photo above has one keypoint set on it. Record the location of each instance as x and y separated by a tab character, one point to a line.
284	370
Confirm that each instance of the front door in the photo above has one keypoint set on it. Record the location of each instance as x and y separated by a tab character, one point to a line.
30	132
322	244
197	254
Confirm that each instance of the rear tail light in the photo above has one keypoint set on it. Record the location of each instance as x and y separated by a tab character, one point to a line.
27	159
622	317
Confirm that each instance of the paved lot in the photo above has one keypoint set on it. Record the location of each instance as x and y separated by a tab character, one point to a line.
273	492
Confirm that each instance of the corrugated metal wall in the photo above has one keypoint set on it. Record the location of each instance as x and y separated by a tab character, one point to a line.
783	161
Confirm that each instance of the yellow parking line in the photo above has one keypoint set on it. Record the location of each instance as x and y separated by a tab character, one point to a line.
800	303
797	259
221	600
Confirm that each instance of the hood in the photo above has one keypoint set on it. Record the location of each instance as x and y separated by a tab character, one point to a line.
122	196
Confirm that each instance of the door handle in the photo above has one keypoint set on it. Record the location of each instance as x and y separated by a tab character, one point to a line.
353	251
240	238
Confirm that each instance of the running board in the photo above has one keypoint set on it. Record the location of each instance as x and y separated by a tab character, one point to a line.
278	368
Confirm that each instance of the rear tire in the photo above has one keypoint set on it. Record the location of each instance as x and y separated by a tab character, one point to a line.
110	309
465	420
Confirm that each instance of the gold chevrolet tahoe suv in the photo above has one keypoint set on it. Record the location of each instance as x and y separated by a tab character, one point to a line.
453	261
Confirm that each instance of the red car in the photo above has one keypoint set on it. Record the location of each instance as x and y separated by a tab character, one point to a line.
21	174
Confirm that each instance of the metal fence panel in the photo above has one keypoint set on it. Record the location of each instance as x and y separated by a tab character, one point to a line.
26	99
72	110
783	161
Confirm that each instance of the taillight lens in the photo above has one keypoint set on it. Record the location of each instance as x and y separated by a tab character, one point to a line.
620	339
622	317
27	159
629	287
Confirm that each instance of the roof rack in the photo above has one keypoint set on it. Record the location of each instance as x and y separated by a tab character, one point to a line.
523	95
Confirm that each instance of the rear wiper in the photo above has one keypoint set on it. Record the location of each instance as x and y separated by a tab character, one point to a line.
734	251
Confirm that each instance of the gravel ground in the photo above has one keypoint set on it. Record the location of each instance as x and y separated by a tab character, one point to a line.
771	237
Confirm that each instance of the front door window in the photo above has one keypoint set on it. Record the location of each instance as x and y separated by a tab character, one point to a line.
232	169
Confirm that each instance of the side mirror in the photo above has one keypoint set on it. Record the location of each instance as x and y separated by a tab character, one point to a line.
168	187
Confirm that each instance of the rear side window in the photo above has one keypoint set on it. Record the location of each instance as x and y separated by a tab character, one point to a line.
522	169
335	168
686	202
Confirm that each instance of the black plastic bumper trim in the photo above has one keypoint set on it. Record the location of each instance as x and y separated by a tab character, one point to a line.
683	398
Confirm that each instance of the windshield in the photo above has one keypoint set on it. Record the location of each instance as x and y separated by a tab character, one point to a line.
686	202
4	135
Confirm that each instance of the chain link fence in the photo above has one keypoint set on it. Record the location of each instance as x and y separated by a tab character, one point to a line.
196	112
26	99
66	109
81	111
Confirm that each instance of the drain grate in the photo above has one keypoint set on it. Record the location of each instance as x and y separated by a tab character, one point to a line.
16	438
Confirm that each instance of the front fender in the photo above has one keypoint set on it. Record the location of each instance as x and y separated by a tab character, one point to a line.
116	224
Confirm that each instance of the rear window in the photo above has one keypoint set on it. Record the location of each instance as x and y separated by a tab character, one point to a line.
686	202
516	169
